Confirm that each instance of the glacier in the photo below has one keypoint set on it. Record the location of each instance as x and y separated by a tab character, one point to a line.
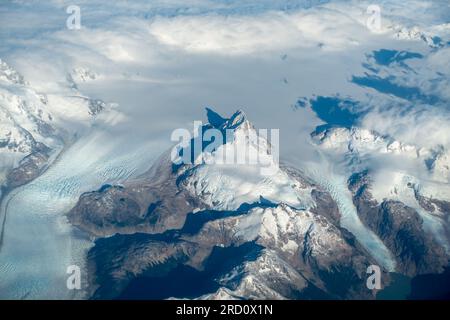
38	244
336	184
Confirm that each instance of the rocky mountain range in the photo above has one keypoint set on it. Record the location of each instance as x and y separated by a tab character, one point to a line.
31	131
291	243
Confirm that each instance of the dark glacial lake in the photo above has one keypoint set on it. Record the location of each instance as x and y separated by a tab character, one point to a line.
422	287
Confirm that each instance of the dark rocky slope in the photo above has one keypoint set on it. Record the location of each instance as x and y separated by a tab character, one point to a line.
401	229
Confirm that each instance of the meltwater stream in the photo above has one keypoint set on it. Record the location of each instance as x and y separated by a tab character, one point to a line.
38	243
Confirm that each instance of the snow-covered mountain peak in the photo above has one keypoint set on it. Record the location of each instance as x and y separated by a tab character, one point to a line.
360	140
221	294
81	74
9	75
242	143
439	162
24	116
260	279
288	229
415	33
34	124
241	170
237	119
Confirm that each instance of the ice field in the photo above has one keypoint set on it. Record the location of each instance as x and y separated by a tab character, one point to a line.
38	243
